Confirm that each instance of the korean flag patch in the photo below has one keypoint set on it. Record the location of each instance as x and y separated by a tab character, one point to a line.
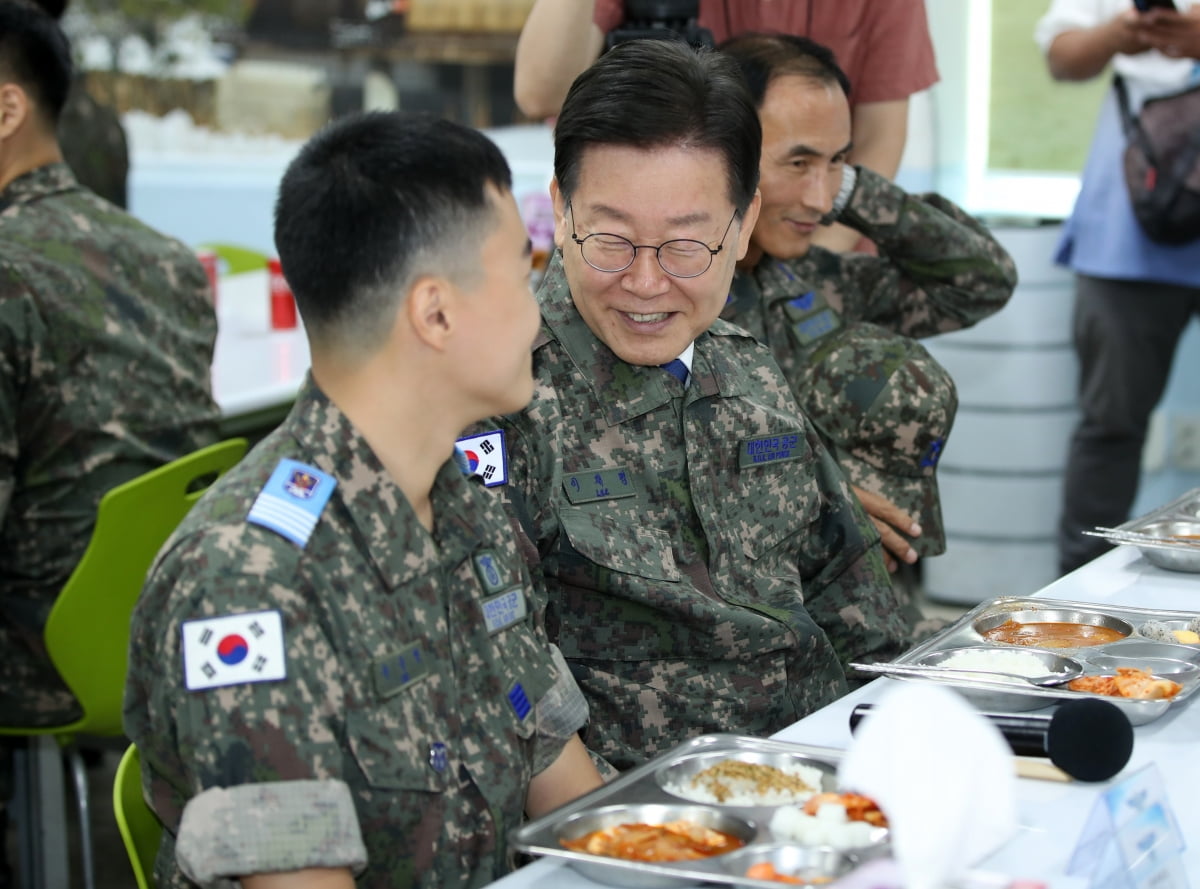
485	456
232	650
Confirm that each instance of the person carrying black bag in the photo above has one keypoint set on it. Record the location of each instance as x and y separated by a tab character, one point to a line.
1134	295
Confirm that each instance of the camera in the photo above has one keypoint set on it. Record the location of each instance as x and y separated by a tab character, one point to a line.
661	20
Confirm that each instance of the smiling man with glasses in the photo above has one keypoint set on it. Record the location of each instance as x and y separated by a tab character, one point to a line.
706	565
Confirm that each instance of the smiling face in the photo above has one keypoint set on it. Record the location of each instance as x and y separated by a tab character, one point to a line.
806	137
643	314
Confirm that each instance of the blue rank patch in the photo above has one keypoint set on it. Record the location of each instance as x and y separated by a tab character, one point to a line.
504	610
519	701
292	500
803	303
771	449
933	453
439	756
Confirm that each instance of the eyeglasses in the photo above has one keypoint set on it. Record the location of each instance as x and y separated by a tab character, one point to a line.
680	258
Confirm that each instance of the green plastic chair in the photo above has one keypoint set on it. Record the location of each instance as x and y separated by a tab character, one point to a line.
238	259
140	828
87	638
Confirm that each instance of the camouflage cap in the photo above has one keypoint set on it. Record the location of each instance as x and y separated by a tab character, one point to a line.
885	407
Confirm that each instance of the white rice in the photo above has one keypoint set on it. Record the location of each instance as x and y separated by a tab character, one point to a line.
829	827
745	793
1020	663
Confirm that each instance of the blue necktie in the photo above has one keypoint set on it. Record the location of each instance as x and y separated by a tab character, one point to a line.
677	369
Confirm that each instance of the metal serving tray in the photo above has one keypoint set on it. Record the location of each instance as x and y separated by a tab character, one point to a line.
642	786
1180	516
1175	661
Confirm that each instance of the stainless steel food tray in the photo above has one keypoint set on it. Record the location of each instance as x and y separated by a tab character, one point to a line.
642	786
1181	515
1132	650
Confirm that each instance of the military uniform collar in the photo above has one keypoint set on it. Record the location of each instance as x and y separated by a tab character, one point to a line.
627	390
781	279
386	523
38	183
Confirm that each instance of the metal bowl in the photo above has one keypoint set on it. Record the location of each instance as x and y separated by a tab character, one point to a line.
676	778
1171	661
1160	631
639	874
1052	615
1178	558
804	862
1053	662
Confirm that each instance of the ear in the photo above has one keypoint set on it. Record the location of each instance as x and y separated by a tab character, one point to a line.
14	109
560	214
429	311
749	220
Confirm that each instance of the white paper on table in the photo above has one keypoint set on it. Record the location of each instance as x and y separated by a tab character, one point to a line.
942	774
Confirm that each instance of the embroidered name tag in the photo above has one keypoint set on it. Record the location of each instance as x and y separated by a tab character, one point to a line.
816	326
605	484
397	671
504	610
769	449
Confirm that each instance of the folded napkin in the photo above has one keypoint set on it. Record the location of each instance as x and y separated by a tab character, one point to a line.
942	774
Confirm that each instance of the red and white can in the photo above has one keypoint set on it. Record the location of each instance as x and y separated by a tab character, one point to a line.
211	263
283	303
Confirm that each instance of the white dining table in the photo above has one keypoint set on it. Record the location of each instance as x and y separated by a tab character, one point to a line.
1052	814
256	370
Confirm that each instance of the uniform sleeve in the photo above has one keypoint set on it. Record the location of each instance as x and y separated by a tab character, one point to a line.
263	828
898	57
938	269
561	712
850	594
246	736
17	323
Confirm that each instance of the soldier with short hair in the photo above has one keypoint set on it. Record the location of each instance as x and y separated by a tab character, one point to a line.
106	340
707	566
938	269
338	665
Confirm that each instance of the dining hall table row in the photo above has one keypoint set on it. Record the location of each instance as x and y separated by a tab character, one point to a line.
1052	814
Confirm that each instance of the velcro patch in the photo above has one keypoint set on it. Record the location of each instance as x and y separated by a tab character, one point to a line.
770	449
486	456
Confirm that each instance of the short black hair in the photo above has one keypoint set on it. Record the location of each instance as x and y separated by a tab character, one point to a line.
36	55
763	57
55	8
374	201
652	94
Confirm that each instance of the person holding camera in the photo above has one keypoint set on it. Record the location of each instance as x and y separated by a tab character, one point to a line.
1134	297
884	47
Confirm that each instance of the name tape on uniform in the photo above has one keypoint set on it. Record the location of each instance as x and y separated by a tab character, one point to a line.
233	649
770	448
486	456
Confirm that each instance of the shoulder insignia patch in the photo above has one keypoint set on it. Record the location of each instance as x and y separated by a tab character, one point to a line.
233	650
486	457
292	500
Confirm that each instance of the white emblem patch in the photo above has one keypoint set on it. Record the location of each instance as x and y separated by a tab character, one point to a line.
486	456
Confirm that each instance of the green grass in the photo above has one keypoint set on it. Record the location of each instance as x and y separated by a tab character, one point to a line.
1036	124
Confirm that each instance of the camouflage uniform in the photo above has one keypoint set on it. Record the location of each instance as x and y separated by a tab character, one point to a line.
938	270
401	684
107	339
707	565
93	145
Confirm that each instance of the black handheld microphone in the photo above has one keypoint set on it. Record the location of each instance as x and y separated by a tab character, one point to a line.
1089	739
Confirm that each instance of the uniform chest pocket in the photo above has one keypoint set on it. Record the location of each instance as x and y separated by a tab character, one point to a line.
396	752
623	546
777	494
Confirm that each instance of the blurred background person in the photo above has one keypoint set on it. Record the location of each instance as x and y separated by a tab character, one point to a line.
90	134
884	47
1133	297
